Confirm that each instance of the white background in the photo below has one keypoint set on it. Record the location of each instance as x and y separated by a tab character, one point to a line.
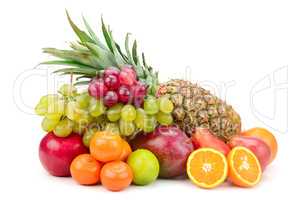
215	43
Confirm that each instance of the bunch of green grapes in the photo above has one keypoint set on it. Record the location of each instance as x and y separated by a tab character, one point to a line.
68	111
127	120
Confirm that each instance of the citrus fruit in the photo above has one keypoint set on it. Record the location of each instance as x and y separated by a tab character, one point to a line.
207	167
265	136
106	146
116	175
126	151
85	169
244	167
144	165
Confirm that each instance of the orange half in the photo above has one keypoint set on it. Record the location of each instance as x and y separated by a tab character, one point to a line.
207	168
244	167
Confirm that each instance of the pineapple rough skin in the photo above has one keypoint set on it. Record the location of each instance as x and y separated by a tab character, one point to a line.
197	107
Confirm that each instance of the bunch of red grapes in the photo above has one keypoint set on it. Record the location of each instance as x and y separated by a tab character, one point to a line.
118	86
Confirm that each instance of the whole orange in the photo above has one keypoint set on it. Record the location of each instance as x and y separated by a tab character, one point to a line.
116	175
126	151
265	136
85	169
106	147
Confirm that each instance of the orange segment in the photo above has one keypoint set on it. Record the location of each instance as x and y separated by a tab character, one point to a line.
244	167
207	167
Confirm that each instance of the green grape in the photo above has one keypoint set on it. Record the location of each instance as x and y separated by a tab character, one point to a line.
73	112
79	128
83	100
67	90
164	119
85	118
70	110
140	117
126	128
49	124
86	139
165	105
96	107
128	113
48	98
63	128
42	107
114	113
112	127
56	108
149	123
151	105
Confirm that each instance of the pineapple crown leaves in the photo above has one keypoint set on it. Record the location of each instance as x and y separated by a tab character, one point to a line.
88	57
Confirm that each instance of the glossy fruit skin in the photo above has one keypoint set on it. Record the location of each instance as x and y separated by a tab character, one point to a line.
128	113
56	153
114	113
139	92
257	146
170	145
265	136
110	99
97	88
126	128
112	82
88	135
116	175
130	70
111	71
85	170
151	105
144	165
164	119
127	76
202	137
138	101
139	89
124	94
126	151
106	147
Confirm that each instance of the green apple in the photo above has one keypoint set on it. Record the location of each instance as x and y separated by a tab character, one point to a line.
145	166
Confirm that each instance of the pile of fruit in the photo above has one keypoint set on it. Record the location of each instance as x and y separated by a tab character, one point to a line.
115	124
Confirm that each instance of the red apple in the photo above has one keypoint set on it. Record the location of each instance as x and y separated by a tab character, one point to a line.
57	153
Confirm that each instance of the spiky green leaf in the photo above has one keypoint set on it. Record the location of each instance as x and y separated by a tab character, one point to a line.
81	34
106	36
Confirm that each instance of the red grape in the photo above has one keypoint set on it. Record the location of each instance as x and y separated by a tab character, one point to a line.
124	94
129	69
111	71
110	99
126	79
139	89
139	92
97	88
112	82
138	101
127	76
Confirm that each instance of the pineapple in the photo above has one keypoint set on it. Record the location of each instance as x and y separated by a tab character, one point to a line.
195	107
